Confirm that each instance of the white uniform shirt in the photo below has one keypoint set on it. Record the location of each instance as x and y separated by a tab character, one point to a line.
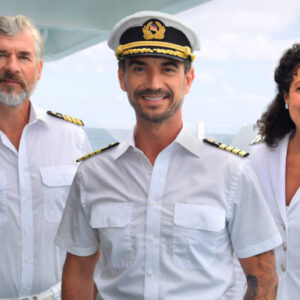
34	184
270	164
167	231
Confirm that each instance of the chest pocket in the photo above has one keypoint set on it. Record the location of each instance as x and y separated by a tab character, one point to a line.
3	199
195	235
56	185
113	223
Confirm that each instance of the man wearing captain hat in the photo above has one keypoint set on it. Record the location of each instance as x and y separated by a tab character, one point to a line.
164	209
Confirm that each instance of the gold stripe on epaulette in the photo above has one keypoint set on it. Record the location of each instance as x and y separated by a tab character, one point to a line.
225	147
256	140
65	117
111	145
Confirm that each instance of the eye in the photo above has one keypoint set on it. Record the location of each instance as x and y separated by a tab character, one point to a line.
24	57
138	69
169	69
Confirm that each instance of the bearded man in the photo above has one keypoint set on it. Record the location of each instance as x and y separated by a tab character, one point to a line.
38	152
164	209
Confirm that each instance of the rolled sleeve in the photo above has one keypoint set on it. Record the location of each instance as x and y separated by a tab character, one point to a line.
251	225
75	234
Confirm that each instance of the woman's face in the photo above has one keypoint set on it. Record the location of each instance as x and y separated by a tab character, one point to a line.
293	100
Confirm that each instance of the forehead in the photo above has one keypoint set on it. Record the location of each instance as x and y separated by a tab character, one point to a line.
21	42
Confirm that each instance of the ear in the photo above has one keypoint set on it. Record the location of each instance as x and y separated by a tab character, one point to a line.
286	98
121	76
189	78
39	70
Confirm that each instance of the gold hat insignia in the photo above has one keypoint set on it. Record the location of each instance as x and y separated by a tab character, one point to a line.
154	30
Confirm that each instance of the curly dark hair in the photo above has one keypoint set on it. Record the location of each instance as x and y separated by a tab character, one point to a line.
276	122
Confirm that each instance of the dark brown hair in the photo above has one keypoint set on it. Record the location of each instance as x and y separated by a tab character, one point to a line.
276	122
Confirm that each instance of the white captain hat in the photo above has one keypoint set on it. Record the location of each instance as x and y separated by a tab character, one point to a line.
152	33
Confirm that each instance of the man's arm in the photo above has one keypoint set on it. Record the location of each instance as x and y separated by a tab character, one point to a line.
77	278
260	271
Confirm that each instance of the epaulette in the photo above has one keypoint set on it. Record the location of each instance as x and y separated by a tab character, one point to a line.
97	152
256	140
222	146
65	117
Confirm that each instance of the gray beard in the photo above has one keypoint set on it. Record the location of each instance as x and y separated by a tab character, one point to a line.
10	98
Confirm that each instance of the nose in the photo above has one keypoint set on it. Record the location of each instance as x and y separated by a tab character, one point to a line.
12	64
154	80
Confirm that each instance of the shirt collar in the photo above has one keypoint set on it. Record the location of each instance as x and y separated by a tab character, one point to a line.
185	139
125	145
188	141
37	114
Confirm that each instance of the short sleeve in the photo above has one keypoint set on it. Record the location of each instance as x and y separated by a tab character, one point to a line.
251	226
75	235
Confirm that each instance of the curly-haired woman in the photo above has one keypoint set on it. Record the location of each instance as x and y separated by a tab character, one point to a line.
277	162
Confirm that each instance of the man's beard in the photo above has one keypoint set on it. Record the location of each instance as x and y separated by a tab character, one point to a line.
155	118
8	96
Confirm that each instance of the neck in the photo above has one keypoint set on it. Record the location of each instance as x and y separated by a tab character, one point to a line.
13	119
152	138
295	139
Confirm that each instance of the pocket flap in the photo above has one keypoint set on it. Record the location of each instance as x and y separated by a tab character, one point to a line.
111	215
58	175
196	216
2	180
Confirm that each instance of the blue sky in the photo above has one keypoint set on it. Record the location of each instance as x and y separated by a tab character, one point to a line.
241	43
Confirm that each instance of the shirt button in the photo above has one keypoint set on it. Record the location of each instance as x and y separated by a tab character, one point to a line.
150	273
153	203
151	238
283	267
107	220
284	246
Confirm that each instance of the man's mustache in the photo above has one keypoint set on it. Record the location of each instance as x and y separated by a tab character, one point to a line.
12	76
151	92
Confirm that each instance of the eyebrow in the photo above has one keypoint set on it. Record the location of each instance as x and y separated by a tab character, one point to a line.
136	62
164	64
171	63
25	53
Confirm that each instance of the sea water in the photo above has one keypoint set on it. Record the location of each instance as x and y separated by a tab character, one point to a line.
101	137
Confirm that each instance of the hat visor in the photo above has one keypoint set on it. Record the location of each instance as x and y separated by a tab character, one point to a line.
163	55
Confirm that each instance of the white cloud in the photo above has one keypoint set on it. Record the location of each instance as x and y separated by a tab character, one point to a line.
79	67
205	77
262	16
227	88
211	100
253	98
99	52
121	96
55	66
235	28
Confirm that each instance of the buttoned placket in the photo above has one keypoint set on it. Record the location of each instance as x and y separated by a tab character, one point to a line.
284	249
153	220
26	218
